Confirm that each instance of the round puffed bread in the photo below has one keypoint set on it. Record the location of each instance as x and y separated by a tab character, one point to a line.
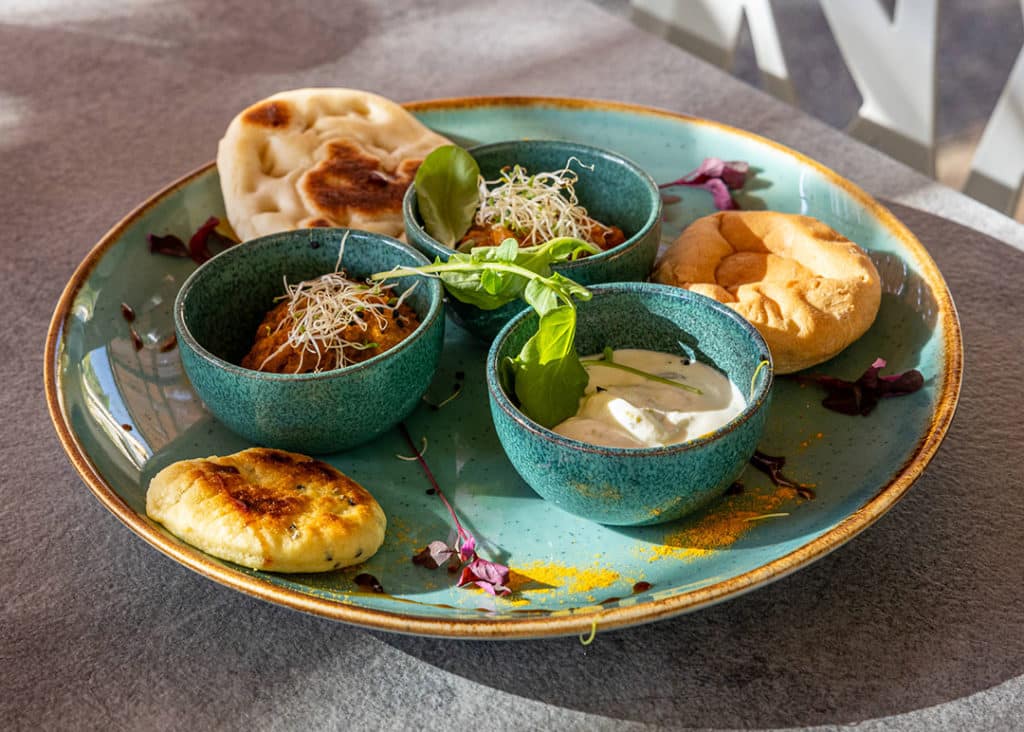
807	289
268	509
320	157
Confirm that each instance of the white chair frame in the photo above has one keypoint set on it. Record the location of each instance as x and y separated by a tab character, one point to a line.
892	62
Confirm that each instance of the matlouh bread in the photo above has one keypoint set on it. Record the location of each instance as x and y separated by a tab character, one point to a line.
320	157
268	509
806	288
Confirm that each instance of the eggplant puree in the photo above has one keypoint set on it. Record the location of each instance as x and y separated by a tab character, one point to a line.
270	351
491	235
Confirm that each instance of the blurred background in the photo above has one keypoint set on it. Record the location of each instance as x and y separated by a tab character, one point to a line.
976	43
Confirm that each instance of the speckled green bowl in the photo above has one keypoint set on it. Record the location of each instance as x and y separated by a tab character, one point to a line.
617	192
639	486
220	306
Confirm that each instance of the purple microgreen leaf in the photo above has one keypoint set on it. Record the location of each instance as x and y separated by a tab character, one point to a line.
168	244
717	177
719	194
862	396
467	548
435	554
771	465
488	576
198	247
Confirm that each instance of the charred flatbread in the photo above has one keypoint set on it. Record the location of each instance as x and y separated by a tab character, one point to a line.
320	157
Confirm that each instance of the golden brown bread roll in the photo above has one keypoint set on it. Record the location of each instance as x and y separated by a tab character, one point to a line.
808	290
268	509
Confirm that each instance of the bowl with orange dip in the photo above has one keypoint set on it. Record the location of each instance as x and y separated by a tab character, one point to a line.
289	346
615	205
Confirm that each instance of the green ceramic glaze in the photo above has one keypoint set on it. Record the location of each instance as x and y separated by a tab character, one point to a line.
124	414
635	487
616	192
220	306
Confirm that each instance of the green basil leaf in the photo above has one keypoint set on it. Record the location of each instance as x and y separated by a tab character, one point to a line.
507	376
541	297
447	193
568	288
549	378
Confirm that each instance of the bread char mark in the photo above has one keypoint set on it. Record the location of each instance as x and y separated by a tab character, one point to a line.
350	180
275	502
269	114
254	501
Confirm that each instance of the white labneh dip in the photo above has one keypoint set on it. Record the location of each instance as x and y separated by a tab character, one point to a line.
622	409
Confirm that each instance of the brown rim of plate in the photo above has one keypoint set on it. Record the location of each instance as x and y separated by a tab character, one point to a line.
582	620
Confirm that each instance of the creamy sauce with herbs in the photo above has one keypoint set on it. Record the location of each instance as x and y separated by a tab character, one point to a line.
621	409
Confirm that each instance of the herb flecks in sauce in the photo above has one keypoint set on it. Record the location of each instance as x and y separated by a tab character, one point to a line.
641	399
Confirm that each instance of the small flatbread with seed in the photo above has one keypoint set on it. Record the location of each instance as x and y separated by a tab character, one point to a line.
268	509
321	157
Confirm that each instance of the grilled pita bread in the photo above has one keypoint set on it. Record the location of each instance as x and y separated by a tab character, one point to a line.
320	157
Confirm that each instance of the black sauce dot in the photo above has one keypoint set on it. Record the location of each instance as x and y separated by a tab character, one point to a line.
735	489
314	244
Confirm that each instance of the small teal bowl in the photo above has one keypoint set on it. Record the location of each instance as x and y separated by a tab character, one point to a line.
617	192
219	307
639	486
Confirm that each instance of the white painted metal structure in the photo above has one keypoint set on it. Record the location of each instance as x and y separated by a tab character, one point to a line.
892	61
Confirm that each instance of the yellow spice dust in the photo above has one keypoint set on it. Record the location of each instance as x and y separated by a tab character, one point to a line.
719	526
547	576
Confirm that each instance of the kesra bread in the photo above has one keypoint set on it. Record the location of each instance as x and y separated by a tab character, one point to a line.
320	157
268	509
806	288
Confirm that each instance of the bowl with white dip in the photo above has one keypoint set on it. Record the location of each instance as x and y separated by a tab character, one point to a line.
675	404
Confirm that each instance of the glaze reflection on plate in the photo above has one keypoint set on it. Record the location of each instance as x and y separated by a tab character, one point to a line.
123	414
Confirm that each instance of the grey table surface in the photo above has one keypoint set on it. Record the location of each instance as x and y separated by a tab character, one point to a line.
916	624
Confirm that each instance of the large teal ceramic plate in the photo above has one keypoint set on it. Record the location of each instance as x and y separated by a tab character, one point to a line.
123	414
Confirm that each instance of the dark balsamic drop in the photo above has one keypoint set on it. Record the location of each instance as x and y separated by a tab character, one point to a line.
735	489
369	582
641	587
